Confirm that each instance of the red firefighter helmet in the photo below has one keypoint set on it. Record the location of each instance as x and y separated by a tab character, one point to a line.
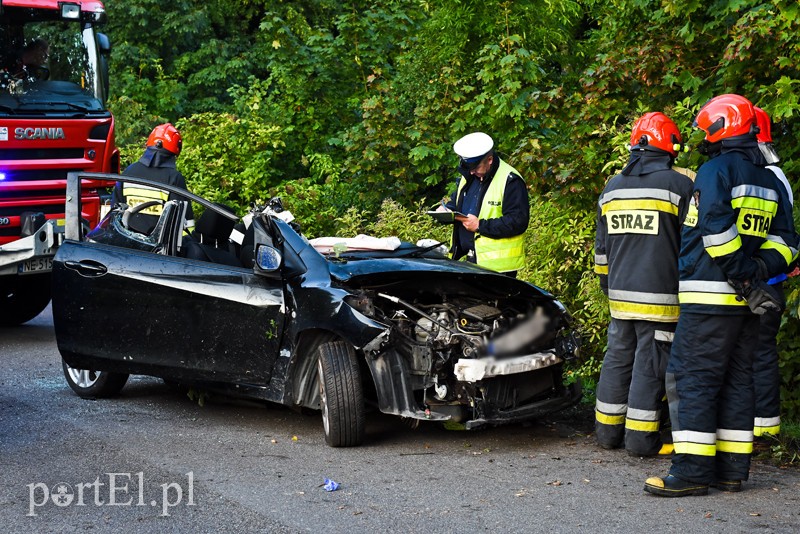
764	137
656	130
166	136
726	116
764	124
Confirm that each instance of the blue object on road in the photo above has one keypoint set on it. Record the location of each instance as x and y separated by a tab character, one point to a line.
330	485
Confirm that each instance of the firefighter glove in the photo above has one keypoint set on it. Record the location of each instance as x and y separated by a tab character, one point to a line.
759	296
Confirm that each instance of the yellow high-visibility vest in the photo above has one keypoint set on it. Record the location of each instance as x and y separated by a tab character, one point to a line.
506	253
136	194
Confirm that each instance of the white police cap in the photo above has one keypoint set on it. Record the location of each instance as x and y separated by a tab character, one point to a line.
472	147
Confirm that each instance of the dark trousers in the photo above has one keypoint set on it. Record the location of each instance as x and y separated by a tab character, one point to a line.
710	389
631	386
766	376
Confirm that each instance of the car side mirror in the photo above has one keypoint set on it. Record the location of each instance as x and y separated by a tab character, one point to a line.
268	259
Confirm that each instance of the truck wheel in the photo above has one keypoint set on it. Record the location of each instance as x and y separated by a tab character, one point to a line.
341	397
23	297
93	384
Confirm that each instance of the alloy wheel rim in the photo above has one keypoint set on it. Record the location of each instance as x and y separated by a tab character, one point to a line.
83	378
323	399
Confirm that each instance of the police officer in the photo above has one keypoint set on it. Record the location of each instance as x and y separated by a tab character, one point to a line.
639	216
733	239
158	164
494	200
766	376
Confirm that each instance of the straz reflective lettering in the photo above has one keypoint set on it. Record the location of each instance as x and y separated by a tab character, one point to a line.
754	222
691	216
632	222
152	210
39	133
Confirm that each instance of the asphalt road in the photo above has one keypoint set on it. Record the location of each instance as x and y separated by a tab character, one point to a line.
153	460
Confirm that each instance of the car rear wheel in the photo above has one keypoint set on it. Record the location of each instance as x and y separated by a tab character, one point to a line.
341	397
90	384
23	297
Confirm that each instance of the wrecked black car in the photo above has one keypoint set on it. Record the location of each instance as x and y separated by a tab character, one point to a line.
250	307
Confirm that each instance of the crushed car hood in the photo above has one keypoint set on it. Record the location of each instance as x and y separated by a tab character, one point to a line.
366	272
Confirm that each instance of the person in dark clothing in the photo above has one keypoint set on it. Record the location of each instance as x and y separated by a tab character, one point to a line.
733	239
766	374
639	219
34	60
25	66
493	198
158	164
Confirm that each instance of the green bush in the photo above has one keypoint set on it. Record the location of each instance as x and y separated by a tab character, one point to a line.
560	259
395	220
230	159
310	204
789	352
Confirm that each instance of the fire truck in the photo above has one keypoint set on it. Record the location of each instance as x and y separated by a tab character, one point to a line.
53	120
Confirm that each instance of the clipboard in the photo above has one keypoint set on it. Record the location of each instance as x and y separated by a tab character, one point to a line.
445	216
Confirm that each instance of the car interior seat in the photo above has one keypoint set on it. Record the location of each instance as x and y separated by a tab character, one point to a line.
211	239
213	229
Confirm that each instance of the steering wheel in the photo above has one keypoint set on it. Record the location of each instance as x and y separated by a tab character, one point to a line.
33	73
41	73
126	215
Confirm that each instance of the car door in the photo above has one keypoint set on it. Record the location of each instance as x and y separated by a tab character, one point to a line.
135	311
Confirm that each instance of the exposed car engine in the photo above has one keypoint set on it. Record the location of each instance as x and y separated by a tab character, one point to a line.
471	356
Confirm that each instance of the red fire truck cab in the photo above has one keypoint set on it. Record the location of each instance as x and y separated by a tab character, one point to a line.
53	120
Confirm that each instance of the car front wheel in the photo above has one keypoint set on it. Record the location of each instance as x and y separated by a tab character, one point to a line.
90	384
341	397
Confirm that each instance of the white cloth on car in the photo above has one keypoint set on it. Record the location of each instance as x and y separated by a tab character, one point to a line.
325	245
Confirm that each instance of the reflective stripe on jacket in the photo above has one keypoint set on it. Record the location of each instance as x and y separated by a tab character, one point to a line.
139	194
157	165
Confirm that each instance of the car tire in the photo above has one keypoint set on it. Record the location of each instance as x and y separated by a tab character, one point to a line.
341	396
89	384
23	297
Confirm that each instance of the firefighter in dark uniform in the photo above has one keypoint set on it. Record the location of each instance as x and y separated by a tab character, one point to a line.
494	199
766	375
158	164
733	239
639	217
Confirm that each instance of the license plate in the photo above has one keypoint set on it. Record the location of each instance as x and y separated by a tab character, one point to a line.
36	265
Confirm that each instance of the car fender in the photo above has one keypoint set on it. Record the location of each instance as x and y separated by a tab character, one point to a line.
324	308
387	370
320	319
395	395
319	314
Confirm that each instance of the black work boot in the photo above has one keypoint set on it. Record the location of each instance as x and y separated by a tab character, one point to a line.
731	486
671	486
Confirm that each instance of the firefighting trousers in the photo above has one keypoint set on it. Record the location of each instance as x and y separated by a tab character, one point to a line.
631	386
710	390
766	376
